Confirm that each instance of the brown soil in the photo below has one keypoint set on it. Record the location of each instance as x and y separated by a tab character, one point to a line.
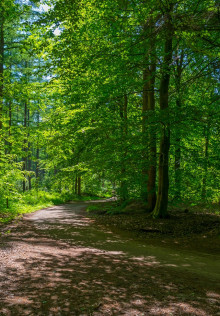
59	261
196	228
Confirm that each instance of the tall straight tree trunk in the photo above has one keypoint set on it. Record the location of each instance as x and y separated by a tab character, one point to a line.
177	163
146	88
29	148
7	141
145	158
25	147
160	210
8	144
76	184
9	126
124	118
37	167
204	180
29	177
1	66
37	153
149	135
79	185
151	182
26	139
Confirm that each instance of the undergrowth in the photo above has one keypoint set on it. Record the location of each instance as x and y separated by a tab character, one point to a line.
133	207
110	208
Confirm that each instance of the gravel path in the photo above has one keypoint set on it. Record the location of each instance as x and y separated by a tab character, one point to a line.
57	261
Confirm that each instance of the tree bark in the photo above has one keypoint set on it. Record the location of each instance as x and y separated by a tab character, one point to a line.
29	155
1	67
151	182
37	154
146	79
10	124
177	163
8	142
124	117
204	180
149	135
160	210
25	147
76	184
79	186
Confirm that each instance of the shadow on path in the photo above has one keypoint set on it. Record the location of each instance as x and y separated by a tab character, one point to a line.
57	262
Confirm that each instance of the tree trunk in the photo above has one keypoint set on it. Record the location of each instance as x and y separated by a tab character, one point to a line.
37	167
29	177
177	163
149	135
151	182
79	186
76	184
29	156
160	210
146	79
8	144
37	153
1	67
25	147
204	180
7	141
124	117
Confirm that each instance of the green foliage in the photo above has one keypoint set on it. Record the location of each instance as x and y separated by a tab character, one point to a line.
10	174
72	88
29	202
35	200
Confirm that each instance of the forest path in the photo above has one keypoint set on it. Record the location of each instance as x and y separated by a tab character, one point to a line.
58	262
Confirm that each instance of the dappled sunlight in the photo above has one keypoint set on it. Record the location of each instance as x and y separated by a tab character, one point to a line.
50	268
189	309
213	298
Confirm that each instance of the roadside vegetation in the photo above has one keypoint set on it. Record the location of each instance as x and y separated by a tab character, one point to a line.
31	201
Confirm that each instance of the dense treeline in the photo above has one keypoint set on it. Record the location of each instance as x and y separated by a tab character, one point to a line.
102	96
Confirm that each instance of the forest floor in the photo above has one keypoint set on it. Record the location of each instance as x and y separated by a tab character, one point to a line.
195	227
60	261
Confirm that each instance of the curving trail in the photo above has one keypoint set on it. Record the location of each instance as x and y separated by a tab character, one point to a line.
58	262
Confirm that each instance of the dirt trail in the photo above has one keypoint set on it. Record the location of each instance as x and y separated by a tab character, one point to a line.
58	262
